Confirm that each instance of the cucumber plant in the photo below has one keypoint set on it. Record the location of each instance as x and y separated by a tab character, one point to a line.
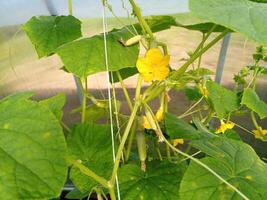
143	160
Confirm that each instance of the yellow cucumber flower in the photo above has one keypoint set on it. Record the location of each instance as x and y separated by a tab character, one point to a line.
224	126
154	66
175	142
160	114
145	123
260	133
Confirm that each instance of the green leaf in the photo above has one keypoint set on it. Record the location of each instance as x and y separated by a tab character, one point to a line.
18	96
49	32
192	93
203	27
90	143
160	22
55	104
94	113
32	150
235	161
86	56
156	23
76	194
164	22
244	16
125	73
160	181
253	102
223	100
177	128
231	134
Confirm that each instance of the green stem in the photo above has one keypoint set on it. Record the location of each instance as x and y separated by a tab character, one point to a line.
208	118
124	89
253	118
127	129
112	193
99	194
89	172
70	6
138	88
190	113
140	18
200	57
92	98
118	18
123	140
243	128
197	53
168	152
130	141
133	129
255	79
84	101
66	127
193	106
164	47
159	153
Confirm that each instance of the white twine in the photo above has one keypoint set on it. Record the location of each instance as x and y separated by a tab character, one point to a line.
109	93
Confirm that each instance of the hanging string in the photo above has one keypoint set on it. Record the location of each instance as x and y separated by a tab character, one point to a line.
109	91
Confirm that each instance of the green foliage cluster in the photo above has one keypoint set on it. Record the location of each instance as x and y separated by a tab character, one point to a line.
37	157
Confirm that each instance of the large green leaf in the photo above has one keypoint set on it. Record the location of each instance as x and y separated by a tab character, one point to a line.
87	56
32	150
223	100
244	16
233	160
161	181
253	102
90	143
49	32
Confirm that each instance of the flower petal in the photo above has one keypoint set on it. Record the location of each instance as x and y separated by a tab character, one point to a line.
175	142
161	73
154	56
165	61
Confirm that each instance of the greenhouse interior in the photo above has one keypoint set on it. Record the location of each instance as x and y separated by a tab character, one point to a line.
133	99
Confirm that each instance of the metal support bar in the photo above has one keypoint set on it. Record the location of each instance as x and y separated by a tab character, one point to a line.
220	65
52	10
222	57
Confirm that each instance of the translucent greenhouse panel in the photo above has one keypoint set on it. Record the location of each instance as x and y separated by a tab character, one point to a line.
20	68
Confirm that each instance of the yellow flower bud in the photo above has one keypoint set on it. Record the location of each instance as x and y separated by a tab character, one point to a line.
260	133
145	123
175	142
224	126
160	114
